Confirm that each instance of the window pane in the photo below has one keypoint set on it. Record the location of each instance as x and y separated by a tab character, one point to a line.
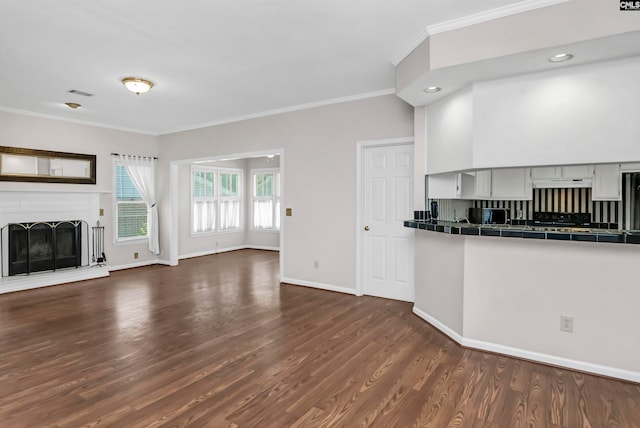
229	214
277	215
209	182
277	184
263	185
263	214
125	189
131	210
229	184
132	219
204	216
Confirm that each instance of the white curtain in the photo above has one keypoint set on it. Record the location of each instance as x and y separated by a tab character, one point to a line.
263	214
229	214
141	170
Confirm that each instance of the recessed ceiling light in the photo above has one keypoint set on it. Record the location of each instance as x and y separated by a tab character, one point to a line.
561	57
137	85
432	89
73	105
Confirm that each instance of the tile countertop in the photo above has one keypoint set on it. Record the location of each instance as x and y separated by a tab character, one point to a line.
530	232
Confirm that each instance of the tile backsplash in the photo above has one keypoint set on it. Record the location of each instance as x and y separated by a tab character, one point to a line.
550	200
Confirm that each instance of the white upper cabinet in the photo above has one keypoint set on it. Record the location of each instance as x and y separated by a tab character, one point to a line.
483	184
562	176
511	184
607	183
577	171
445	186
546	173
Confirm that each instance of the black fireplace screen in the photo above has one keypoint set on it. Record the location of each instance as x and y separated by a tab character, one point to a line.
42	246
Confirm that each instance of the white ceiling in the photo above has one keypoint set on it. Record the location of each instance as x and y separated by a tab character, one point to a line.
211	61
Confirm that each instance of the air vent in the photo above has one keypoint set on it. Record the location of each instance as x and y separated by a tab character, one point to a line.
84	94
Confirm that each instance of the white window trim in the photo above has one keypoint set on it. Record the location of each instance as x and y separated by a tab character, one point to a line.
217	197
114	200
252	174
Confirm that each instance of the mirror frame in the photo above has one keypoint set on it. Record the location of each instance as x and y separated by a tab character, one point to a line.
52	155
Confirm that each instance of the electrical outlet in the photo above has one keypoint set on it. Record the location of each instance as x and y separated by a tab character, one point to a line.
566	324
135	255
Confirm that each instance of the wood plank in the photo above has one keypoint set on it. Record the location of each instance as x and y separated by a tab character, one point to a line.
219	342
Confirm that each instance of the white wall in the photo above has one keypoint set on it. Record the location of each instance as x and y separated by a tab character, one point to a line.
516	290
45	134
507	295
319	175
574	115
439	261
450	122
585	114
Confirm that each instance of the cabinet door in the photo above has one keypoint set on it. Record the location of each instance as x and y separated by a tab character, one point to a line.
483	184
444	186
607	183
577	171
511	184
545	173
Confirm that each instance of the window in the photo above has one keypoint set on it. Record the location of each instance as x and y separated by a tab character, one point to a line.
216	197
266	199
204	201
131	210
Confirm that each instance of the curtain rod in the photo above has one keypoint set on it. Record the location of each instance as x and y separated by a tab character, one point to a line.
118	154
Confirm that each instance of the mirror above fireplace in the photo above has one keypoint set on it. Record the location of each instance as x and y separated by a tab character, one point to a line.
20	164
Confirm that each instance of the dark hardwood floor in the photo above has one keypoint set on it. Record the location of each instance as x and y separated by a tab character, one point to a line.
218	342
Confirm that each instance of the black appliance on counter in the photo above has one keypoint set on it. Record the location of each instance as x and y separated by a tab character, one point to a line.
561	219
489	215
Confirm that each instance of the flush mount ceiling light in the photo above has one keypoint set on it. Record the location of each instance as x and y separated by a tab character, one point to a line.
432	89
137	85
561	57
73	105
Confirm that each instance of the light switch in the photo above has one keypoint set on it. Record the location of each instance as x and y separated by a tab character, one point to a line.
101	211
287	212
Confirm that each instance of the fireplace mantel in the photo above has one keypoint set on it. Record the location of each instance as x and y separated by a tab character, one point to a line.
23	207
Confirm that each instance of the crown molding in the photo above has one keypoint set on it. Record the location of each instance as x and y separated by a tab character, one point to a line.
489	15
424	35
357	97
478	18
74	121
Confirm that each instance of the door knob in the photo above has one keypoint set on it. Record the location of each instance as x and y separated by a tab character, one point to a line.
366	228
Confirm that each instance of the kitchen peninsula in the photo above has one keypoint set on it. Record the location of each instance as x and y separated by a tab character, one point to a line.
515	144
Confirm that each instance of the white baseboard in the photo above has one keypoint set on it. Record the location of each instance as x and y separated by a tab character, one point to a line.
262	247
553	360
137	264
227	249
437	324
530	355
319	285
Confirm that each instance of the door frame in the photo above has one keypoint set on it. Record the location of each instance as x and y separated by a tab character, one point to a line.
361	146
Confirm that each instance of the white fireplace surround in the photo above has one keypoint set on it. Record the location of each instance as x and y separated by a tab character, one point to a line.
23	207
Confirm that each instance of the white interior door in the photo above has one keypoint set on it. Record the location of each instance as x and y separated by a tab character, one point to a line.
387	202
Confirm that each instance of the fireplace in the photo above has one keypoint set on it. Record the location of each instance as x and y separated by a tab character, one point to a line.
44	246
